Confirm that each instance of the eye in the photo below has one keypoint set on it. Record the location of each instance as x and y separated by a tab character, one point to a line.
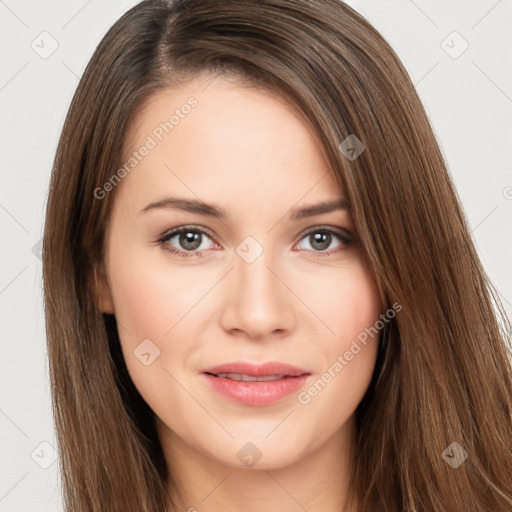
321	237
190	238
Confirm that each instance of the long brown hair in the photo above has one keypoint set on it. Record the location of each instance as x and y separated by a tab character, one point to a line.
443	372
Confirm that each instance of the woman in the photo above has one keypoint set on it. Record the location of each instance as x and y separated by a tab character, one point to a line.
205	353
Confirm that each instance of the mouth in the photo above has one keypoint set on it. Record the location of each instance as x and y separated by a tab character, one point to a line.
268	369
256	385
249	378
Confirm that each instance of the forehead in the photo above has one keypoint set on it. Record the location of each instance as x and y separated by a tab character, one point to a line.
220	140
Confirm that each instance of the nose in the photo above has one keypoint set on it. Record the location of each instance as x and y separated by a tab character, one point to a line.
258	301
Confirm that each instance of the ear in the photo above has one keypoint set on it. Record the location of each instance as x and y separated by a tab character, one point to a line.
103	296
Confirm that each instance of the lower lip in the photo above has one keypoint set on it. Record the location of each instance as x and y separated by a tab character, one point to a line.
256	393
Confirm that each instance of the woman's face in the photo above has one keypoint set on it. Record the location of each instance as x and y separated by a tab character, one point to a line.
259	284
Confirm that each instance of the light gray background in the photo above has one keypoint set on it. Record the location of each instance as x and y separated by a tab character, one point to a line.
468	98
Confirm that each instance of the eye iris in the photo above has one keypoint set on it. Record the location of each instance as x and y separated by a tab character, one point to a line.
190	240
324	239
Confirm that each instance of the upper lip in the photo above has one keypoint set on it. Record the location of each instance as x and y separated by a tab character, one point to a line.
257	370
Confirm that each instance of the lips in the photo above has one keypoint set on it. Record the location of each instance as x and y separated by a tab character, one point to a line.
255	385
255	370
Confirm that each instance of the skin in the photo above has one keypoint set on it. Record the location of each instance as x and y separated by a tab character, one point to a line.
253	155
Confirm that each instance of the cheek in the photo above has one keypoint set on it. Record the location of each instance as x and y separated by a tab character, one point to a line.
140	304
346	305
157	303
150	298
148	304
350	311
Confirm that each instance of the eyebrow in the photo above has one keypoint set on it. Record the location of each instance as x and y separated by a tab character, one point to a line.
202	208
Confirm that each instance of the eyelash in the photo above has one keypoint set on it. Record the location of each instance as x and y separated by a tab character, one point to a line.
163	241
